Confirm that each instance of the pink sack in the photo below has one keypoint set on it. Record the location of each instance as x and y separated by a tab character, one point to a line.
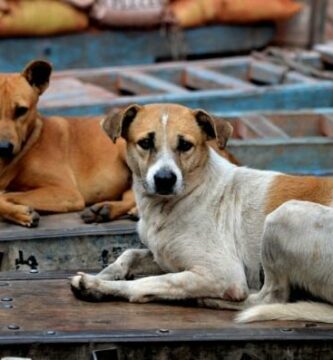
129	13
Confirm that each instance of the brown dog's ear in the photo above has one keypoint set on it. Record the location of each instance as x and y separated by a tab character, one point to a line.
38	73
217	129
117	123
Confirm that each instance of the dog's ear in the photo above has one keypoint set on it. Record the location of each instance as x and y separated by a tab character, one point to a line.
38	73
217	129
117	123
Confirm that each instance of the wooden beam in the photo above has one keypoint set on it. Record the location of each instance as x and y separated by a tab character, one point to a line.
272	74
326	52
200	78
143	84
326	125
73	92
263	127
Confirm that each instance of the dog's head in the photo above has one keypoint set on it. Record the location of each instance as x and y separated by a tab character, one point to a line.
166	143
19	95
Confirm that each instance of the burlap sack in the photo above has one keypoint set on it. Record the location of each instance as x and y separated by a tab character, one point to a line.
40	18
199	12
128	13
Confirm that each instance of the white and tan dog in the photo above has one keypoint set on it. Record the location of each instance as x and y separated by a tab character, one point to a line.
202	218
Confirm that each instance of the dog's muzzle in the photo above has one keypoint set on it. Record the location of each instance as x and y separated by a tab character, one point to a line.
165	181
6	149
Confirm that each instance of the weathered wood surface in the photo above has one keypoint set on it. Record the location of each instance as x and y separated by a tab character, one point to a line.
43	315
63	241
58	310
129	47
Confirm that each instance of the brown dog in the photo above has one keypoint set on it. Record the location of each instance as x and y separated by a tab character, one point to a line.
55	164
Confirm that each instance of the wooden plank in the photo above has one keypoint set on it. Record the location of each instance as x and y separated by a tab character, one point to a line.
72	320
262	126
200	78
326	52
70	91
272	74
143	84
326	125
266	73
303	156
236	63
295	77
310	57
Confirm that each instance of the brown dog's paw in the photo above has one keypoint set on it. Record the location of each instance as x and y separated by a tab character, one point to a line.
25	216
96	214
134	214
85	287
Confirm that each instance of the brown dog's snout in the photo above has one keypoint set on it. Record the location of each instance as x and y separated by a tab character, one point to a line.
6	149
165	180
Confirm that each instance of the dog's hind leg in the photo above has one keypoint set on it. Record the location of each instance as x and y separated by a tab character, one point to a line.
129	264
110	210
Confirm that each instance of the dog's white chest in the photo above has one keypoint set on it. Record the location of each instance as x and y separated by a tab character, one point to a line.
158	238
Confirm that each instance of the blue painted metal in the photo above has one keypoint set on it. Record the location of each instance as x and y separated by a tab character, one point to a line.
297	142
220	85
129	47
289	97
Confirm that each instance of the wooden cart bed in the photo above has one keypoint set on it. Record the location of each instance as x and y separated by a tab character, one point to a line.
39	315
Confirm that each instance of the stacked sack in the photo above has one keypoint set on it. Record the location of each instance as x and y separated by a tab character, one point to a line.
186	13
39	18
49	17
125	13
190	13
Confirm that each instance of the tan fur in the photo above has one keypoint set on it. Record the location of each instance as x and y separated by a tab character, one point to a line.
285	188
59	164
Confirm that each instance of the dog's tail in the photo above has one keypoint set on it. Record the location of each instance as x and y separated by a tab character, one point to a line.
302	311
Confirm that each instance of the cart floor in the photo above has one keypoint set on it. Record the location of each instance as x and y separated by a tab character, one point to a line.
40	309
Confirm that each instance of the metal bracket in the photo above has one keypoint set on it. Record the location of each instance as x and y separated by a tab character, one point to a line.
108	354
31	261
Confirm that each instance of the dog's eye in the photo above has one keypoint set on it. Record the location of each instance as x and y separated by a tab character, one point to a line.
146	144
20	111
184	145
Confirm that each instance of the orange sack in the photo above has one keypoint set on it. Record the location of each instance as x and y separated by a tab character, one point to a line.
190	13
40	18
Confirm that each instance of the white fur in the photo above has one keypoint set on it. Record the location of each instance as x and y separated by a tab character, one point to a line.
297	249
164	119
166	161
206	239
304	311
210	239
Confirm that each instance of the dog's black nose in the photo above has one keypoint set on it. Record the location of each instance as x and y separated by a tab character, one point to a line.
164	181
6	149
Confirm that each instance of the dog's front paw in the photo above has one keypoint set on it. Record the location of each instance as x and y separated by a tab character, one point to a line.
25	216
133	213
96	214
86	287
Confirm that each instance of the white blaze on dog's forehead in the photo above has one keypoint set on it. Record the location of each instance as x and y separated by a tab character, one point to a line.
164	117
